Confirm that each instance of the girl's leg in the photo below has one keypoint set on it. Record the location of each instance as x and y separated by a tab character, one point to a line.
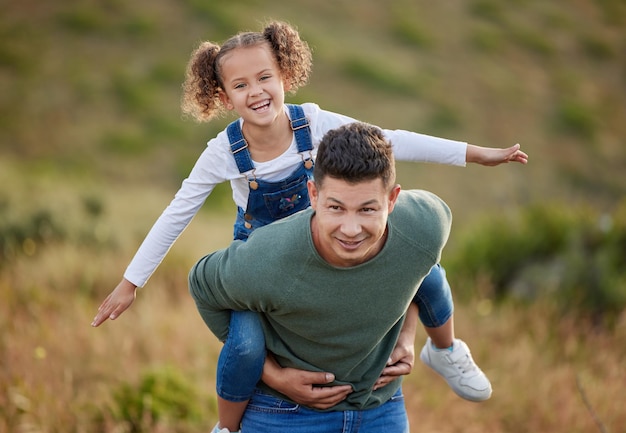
239	367
448	356
434	301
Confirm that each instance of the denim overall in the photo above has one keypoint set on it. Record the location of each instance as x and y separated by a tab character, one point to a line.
241	360
271	201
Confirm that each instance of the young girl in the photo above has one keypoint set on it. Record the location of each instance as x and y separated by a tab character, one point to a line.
267	155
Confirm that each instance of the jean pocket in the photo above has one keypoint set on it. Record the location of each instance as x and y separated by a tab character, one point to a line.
262	402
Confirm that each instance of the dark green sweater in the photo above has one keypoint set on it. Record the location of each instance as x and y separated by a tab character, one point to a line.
319	317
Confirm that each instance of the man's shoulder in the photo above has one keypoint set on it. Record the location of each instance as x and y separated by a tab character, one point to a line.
421	200
419	210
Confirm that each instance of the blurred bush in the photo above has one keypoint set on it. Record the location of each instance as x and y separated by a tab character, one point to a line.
25	228
162	397
21	234
572	256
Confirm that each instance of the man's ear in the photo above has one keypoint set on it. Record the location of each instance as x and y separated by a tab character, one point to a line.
313	193
225	100
393	197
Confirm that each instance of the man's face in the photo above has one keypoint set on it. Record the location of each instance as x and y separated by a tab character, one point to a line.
350	222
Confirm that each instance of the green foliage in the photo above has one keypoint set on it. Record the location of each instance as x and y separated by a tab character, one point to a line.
444	118
406	30
534	41
530	39
82	21
378	76
162	397
488	10
574	256
21	234
573	117
487	40
25	229
131	95
124	142
104	18
596	48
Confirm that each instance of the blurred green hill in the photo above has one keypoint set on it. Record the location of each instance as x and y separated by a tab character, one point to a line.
89	90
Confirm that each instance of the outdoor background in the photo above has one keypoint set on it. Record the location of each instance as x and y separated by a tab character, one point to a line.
93	146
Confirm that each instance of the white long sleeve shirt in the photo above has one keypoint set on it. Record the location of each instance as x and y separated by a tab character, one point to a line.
216	165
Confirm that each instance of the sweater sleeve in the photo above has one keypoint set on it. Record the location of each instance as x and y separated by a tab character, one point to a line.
209	294
226	280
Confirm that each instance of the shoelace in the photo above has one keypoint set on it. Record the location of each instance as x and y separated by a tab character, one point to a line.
466	365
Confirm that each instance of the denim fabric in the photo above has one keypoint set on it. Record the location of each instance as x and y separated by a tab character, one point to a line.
266	413
240	363
272	201
434	298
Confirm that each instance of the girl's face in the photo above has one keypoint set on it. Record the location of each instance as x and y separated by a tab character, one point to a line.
253	84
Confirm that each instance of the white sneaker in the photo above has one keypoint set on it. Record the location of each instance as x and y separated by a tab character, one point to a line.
458	369
217	429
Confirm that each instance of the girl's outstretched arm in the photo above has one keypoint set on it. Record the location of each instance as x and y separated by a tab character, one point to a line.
490	156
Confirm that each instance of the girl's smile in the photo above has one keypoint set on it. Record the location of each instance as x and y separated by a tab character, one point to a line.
253	85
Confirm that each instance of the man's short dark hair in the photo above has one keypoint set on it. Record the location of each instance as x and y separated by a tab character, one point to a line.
355	152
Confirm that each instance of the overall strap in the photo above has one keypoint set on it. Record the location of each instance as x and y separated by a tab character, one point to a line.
301	128
239	147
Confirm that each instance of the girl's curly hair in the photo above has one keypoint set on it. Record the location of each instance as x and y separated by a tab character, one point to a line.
203	80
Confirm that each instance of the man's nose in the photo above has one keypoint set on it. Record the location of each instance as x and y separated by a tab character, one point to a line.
351	227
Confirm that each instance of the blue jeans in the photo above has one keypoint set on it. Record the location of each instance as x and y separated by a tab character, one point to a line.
240	363
266	413
241	360
434	298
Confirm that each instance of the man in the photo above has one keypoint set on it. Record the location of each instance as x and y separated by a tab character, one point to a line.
333	284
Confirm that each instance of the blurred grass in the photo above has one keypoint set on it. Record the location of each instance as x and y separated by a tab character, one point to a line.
91	137
59	374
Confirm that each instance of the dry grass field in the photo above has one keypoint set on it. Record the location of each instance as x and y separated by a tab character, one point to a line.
92	148
550	373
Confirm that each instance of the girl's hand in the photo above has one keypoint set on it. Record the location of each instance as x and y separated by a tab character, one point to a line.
116	303
490	157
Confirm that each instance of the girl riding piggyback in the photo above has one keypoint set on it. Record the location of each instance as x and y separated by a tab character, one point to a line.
267	155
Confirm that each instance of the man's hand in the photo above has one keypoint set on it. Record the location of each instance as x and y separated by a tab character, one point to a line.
116	303
303	387
400	363
402	357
